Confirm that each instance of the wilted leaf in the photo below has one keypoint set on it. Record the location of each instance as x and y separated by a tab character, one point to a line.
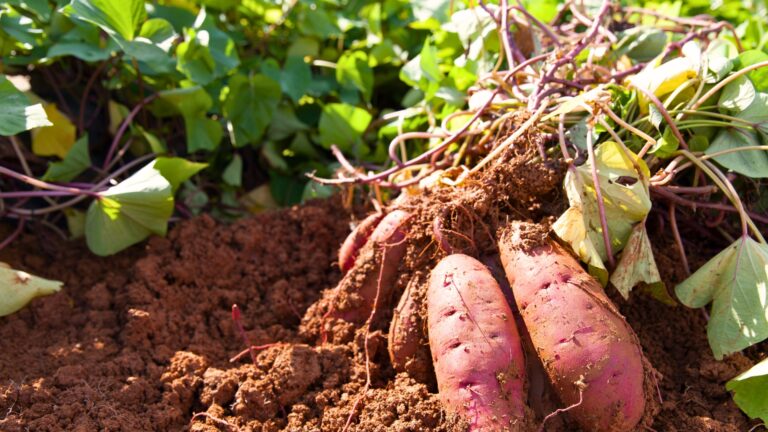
129	212
736	282
56	139
626	201
17	288
636	264
75	162
749	391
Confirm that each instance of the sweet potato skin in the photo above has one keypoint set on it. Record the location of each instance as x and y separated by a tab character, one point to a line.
386	247
475	345
590	353
407	339
356	239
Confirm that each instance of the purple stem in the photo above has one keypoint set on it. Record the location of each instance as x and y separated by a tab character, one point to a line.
124	126
665	114
600	203
14	234
571	56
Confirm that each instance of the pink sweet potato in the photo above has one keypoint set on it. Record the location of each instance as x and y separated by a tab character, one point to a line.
407	343
475	346
376	277
590	353
356	240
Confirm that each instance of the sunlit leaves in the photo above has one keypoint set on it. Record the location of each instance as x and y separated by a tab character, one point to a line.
18	114
749	391
114	17
342	125
735	281
207	53
129	212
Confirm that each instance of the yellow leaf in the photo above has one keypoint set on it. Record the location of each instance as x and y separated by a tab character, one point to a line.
54	140
259	199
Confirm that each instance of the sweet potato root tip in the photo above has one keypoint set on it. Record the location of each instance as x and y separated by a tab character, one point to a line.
356	239
588	350
476	348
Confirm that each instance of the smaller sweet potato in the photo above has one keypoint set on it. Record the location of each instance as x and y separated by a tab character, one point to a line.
356	239
408	345
376	277
475	346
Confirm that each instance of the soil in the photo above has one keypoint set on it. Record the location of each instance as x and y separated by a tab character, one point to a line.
142	341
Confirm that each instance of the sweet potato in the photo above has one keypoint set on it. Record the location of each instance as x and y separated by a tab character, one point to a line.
376	276
356	240
475	346
590	353
408	348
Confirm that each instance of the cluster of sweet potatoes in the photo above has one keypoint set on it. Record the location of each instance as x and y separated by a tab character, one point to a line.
477	333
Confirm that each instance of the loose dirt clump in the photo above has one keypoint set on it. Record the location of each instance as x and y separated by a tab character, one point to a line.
141	341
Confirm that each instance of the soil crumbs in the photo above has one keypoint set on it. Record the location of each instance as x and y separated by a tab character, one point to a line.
142	341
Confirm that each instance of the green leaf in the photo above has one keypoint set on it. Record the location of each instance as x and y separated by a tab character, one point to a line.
250	105
429	63
751	163
342	125
233	173
641	43
295	78
352	70
737	95
666	146
75	222
285	123
192	103
543	10
82	50
735	281
177	170
75	162
17	288
114	17
129	212
759	77
749	391
18	114
153	60
636	264
207	53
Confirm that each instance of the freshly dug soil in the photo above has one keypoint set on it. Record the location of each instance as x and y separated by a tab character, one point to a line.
142	341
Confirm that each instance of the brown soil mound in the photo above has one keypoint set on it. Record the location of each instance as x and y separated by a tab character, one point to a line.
141	341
